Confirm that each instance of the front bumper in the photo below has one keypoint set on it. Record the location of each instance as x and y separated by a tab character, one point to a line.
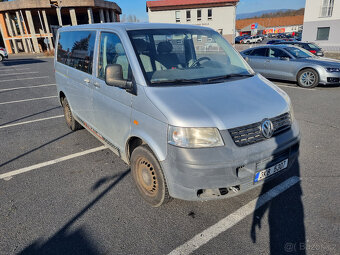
215	173
328	78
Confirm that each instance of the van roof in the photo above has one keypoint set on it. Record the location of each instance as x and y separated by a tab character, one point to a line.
132	26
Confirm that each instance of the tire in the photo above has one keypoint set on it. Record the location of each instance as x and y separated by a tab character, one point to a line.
70	121
148	176
1	58
308	78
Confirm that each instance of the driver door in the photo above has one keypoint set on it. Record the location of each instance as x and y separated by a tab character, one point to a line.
279	65
111	105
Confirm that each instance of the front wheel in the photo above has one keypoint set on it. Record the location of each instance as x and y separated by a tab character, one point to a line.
148	176
308	78
1	58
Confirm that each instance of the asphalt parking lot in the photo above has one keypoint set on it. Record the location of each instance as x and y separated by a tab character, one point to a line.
64	193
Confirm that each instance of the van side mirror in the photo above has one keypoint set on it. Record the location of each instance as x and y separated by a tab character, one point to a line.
114	77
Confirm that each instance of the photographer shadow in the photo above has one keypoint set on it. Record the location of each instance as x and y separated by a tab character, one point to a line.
285	215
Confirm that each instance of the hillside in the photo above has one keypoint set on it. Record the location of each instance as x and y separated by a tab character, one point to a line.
272	13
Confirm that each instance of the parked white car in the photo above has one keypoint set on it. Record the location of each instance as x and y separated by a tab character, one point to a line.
252	39
3	54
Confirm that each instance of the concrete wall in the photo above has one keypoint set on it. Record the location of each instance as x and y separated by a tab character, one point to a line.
312	21
222	18
310	31
313	11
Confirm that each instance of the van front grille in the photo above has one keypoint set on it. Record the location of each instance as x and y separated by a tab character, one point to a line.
252	133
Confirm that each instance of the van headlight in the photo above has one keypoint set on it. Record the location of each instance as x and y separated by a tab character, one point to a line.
194	137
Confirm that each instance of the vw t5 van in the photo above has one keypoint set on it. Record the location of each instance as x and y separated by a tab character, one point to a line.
179	105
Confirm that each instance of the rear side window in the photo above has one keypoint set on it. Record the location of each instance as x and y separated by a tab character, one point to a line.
261	52
76	49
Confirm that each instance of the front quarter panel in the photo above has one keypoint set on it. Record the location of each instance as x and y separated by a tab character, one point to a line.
149	124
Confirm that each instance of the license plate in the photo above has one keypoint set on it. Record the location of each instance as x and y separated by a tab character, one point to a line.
263	174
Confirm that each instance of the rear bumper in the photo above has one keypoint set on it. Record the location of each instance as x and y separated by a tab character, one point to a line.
215	173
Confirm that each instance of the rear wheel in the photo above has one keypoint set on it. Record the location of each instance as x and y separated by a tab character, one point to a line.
148	176
70	121
1	58
308	78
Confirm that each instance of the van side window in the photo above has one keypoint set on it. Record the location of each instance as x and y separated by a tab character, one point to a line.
76	48
112	52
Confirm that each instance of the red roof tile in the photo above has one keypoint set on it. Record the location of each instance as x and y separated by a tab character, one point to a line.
271	22
166	3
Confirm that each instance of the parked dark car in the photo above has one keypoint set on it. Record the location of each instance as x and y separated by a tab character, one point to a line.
311	47
275	41
238	39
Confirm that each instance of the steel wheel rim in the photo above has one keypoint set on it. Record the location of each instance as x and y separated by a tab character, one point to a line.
307	78
146	177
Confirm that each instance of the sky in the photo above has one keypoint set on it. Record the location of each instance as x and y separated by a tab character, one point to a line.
138	7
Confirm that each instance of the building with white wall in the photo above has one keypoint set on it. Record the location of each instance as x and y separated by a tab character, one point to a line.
322	23
219	15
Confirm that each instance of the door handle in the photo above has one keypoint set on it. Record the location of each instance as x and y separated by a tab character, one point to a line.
87	80
96	84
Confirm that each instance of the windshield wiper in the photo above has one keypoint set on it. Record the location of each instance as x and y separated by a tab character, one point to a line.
228	76
176	81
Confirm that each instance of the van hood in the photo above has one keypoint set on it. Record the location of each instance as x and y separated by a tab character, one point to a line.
234	103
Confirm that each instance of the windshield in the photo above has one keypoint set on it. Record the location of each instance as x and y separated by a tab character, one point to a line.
299	53
186	55
313	46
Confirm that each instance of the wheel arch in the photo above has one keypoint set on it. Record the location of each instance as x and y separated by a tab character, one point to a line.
304	68
61	97
135	140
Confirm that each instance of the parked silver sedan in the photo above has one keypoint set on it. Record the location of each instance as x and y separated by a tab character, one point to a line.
286	62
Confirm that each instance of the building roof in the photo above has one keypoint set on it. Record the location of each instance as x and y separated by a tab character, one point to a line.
46	4
181	3
271	22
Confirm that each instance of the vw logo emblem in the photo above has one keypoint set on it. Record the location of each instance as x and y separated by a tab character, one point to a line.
267	128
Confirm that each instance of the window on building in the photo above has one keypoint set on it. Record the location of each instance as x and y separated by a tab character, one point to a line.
178	16
199	15
327	8
188	15
323	33
75	49
209	14
112	52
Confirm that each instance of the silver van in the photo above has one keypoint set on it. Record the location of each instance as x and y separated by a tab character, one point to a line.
179	105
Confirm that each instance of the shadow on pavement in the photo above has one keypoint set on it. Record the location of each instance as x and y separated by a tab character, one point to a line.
35	149
68	242
23	61
285	217
31	115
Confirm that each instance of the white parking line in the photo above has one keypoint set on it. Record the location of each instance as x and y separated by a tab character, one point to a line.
29	87
234	218
293	87
30	121
9	74
28	78
9	175
16	69
25	100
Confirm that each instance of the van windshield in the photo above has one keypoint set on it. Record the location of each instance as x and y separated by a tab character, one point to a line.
184	56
